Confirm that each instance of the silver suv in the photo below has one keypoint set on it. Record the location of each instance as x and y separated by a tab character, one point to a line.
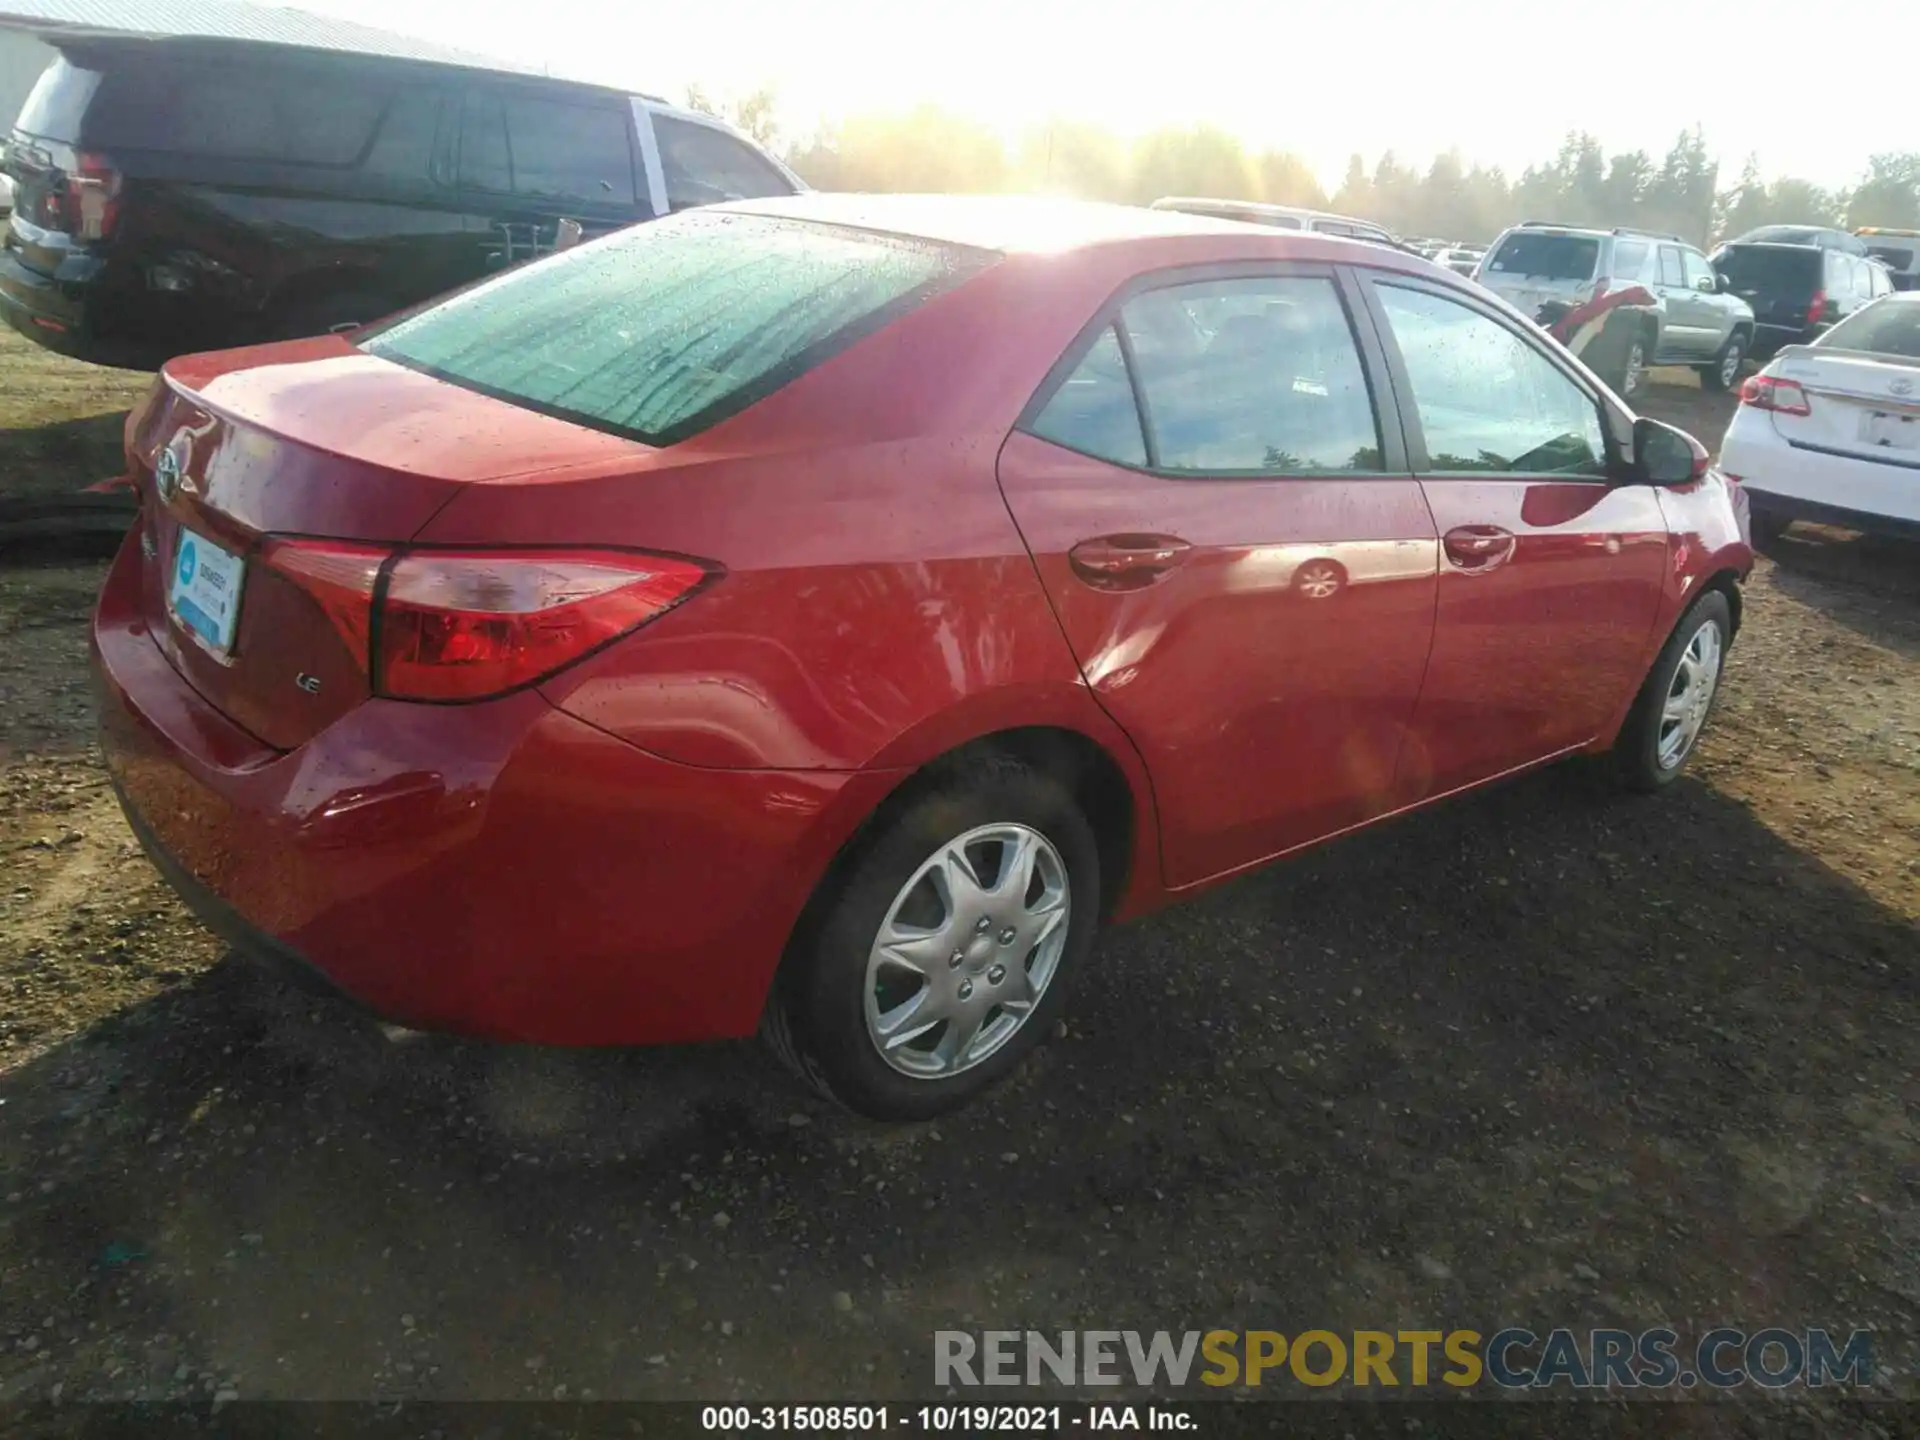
1622	300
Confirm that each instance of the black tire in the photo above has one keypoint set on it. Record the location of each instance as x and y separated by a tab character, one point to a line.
1722	373
1767	527
1636	754
336	311
815	1018
1629	377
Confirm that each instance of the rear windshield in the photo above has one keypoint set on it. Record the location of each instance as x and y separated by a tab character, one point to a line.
1546	257
1888	327
57	102
1770	270
665	329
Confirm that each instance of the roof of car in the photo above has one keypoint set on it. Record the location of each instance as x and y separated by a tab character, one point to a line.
997	222
1258	207
57	20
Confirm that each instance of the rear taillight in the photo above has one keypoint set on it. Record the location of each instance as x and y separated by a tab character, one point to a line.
452	625
1816	307
93	198
1770	392
340	578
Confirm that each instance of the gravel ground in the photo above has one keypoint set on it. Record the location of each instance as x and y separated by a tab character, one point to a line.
1551	1056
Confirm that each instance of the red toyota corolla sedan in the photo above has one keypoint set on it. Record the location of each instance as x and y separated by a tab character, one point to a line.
821	614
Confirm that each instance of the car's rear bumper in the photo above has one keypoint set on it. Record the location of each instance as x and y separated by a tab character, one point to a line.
89	312
1793	482
499	869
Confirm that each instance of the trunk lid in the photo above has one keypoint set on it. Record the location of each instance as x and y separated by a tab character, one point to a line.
313	439
1865	406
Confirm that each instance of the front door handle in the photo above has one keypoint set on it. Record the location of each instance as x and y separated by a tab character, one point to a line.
1127	562
1478	547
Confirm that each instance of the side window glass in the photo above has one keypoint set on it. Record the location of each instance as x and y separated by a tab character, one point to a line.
483	142
1672	272
1488	400
1256	375
563	151
1696	267
1629	256
702	165
1094	411
403	150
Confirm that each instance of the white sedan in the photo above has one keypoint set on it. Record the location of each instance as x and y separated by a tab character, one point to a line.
1831	431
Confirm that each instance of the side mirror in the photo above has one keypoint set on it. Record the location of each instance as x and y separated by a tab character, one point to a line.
1709	283
1722	284
1663	455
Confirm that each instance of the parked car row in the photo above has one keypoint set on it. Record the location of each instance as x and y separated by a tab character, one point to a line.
185	195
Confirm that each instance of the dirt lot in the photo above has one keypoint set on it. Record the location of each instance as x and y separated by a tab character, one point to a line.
1550	1057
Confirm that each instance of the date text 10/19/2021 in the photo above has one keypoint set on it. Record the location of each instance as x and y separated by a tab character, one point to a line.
944	1419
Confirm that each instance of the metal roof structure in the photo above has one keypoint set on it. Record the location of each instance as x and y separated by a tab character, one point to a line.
233	20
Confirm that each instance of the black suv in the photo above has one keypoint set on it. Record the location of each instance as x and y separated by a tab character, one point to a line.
1797	291
189	195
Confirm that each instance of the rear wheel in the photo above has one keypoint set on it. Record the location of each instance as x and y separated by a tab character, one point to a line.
940	956
1631	378
1674	703
1720	373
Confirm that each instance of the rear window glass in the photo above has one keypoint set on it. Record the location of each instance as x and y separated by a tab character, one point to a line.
57	101
308	115
1770	271
667	328
1546	257
1890	327
1629	257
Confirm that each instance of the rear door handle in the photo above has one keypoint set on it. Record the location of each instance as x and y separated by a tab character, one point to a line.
1478	547
1127	562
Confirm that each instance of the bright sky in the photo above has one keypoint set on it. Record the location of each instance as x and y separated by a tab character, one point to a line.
1812	90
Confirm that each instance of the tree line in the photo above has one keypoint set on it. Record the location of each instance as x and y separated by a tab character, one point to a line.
928	149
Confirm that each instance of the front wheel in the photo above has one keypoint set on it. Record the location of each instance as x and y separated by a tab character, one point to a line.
1720	373
1674	703
940	956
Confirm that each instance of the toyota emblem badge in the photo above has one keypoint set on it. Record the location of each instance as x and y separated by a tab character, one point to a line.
166	469
1901	386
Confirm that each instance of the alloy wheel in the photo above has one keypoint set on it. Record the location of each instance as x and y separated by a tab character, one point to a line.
966	951
1689	696
1319	579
